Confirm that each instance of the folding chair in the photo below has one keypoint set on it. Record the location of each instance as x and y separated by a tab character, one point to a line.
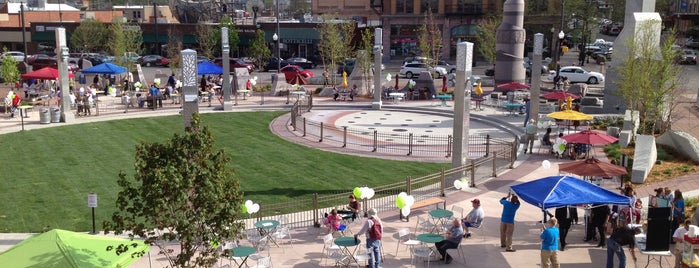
461	252
405	238
332	251
421	252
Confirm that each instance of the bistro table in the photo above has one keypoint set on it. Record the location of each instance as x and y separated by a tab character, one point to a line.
345	243
440	215
267	228
430	238
242	253
244	92
444	98
397	96
512	108
478	102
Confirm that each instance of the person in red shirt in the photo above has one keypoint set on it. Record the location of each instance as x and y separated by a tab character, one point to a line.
15	104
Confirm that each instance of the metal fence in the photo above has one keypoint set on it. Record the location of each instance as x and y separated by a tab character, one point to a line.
492	157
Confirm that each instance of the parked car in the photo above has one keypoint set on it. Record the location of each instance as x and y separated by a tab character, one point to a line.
302	62
201	59
290	72
411	70
577	74
688	57
18	56
275	63
234	63
692	43
451	68
348	66
32	58
153	60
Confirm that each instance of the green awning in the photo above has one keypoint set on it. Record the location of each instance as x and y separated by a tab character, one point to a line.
44	37
295	36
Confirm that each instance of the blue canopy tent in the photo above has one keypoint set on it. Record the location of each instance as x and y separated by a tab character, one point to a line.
206	67
559	191
104	68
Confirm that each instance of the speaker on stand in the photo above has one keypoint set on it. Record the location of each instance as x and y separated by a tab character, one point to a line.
659	231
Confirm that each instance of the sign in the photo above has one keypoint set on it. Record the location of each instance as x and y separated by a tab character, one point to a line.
92	200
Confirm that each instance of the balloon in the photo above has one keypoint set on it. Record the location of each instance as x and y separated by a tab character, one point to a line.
546	164
156	81
457	184
405	211
253	82
389	77
248	203
409	201
254	208
369	193
244	208
254	78
400	202
357	192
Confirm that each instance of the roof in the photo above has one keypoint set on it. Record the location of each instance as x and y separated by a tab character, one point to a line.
14	8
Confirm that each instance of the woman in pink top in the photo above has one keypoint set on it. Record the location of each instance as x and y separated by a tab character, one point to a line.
333	221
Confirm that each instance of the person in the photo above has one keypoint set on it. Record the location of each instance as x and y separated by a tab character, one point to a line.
678	237
599	216
564	218
629	215
677	210
25	87
529	135
15	104
326	77
373	227
354	206
332	221
510	204
654	199
621	236
549	244
668	194
473	218
557	143
154	95
87	100
547	137
353	92
171	80
452	239
526	109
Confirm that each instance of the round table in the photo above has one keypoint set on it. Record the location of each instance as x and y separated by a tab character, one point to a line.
267	224
347	241
429	238
444	98
441	213
244	253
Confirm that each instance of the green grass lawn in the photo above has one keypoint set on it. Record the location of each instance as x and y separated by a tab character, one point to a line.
47	173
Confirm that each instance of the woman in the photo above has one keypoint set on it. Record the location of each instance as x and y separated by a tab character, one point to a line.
653	199
547	137
333	221
677	210
354	206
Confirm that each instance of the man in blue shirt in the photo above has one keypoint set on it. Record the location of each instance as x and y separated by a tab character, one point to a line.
510	205
154	95
549	244
451	240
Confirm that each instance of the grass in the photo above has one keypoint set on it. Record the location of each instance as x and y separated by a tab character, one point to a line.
48	173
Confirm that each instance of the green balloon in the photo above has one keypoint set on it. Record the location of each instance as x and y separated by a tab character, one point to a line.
245	209
400	202
357	192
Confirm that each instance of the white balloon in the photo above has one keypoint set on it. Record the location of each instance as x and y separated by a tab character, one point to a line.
457	184
253	82
405	210
403	194
248	203
546	164
409	201
254	78
370	193
255	208
363	192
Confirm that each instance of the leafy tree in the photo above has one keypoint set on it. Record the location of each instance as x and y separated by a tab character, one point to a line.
205	38
233	38
430	38
486	37
259	50
298	8
125	37
182	192
9	70
364	59
649	77
335	41
174	46
90	35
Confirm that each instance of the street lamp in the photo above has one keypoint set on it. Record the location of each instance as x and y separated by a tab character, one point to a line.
561	35
275	37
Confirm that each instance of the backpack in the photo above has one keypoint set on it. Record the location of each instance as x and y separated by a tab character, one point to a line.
375	230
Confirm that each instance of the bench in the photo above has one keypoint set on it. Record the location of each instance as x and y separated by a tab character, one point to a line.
421	204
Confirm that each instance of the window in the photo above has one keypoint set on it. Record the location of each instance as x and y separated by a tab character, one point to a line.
404	6
432	5
137	14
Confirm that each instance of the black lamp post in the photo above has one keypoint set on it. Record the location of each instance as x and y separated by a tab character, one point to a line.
561	35
275	37
24	31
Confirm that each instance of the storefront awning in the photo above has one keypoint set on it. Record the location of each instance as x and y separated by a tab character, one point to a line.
295	36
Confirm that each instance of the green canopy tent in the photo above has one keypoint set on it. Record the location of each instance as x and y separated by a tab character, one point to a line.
59	248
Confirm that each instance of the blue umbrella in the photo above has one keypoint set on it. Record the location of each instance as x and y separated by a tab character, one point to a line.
559	191
208	68
105	68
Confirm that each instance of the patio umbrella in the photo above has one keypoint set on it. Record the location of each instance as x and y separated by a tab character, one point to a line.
589	137
207	67
559	95
513	86
592	167
297	80
46	73
559	191
569	115
104	68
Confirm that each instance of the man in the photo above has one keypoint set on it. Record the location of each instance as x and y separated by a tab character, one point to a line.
549	244
529	135
510	204
621	236
473	218
564	216
451	240
154	95
15	104
678	237
374	230
598	221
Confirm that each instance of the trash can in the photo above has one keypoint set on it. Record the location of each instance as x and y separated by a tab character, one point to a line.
44	116
55	115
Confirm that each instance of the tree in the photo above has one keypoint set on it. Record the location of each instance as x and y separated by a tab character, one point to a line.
125	37
90	35
259	50
649	77
299	8
364	59
206	40
335	41
9	70
233	38
174	46
430	39
182	191
486	37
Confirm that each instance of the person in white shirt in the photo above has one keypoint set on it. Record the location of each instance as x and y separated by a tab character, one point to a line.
473	218
678	237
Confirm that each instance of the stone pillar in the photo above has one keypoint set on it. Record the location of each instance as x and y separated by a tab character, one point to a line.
226	87
536	77
189	86
509	44
67	115
462	101
378	41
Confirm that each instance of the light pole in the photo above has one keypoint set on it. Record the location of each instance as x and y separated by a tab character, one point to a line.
24	31
275	37
561	35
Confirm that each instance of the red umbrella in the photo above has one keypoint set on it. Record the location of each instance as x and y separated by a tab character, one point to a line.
297	80
46	73
592	167
559	95
589	137
513	86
